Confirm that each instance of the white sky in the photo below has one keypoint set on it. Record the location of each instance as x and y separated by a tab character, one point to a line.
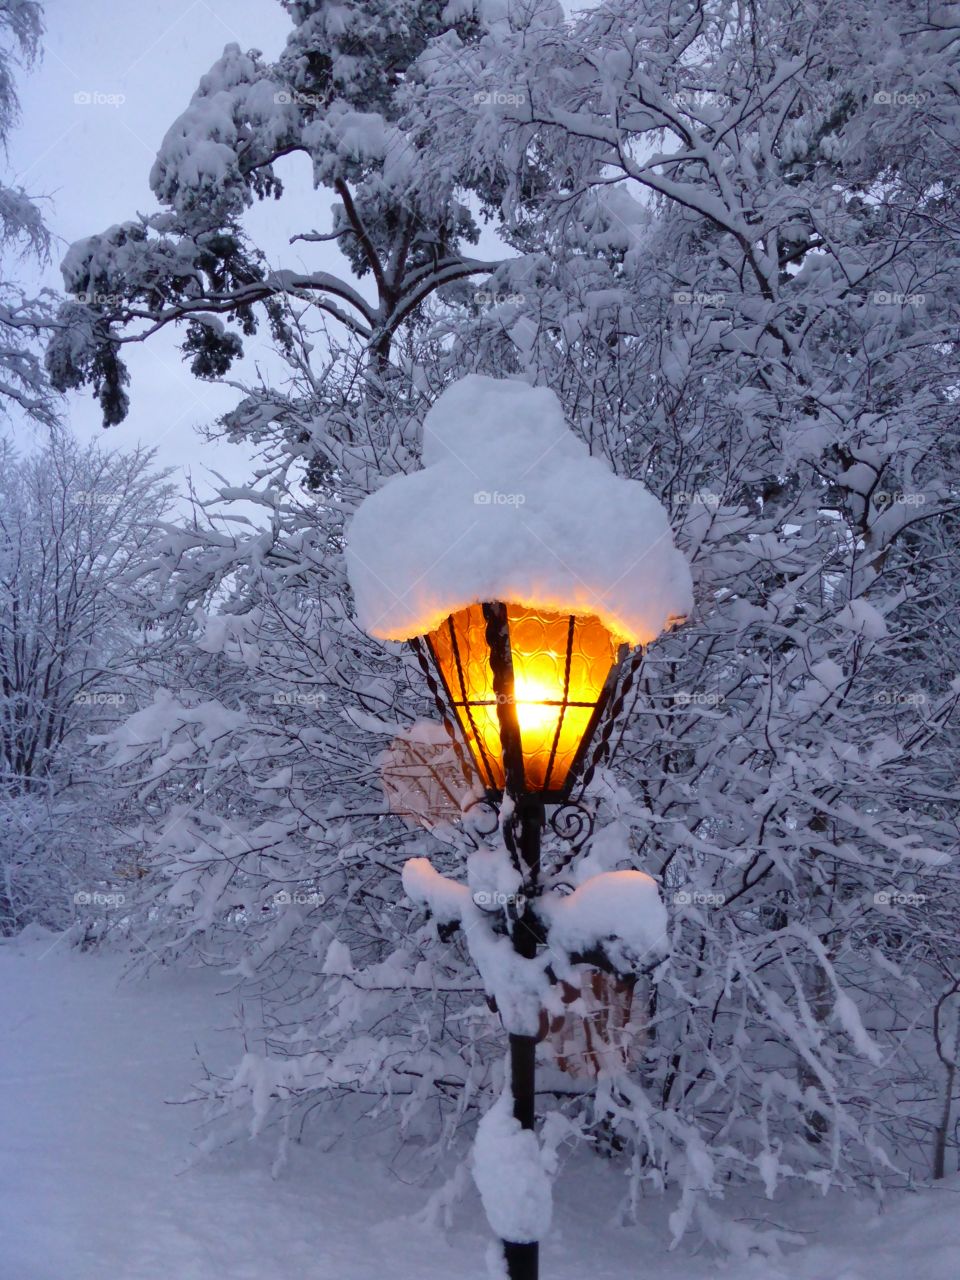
92	160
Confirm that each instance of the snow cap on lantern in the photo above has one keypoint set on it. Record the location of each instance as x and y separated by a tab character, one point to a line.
510	505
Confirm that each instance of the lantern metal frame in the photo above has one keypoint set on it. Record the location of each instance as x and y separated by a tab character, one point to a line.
516	781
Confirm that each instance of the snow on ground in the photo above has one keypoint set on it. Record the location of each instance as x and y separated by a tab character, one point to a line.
93	1185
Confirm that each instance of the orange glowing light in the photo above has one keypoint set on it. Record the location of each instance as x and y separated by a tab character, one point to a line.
561	667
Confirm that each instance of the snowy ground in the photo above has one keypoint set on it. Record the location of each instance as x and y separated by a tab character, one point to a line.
92	1158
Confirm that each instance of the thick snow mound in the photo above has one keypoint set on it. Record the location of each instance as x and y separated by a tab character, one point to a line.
618	911
511	506
443	897
511	1176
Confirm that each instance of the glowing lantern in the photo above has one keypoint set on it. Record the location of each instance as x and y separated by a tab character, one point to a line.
548	673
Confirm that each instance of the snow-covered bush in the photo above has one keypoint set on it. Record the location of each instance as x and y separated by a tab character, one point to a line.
75	522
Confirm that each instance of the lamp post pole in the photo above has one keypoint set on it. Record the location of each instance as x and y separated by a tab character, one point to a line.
523	1259
522	832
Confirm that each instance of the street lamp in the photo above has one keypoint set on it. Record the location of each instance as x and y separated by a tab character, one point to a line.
527	687
522	572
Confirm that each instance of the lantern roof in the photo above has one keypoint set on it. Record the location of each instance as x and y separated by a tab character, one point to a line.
510	505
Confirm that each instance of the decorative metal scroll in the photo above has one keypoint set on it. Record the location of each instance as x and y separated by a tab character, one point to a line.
572	822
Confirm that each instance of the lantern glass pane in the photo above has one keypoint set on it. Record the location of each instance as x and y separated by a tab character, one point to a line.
560	665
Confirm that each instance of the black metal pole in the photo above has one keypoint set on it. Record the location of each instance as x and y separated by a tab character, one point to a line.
522	834
523	1260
